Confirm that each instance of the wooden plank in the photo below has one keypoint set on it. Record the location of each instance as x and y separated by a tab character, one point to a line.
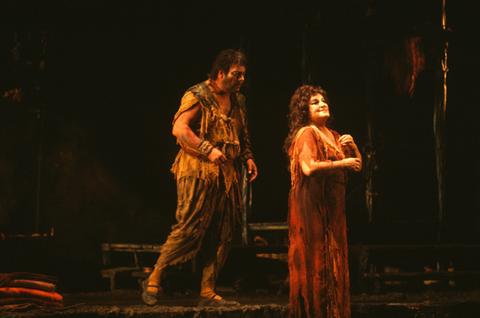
143	248
268	226
420	275
418	247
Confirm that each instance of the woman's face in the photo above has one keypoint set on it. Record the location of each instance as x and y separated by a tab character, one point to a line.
319	112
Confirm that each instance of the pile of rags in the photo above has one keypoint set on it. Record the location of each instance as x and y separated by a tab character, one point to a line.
23	288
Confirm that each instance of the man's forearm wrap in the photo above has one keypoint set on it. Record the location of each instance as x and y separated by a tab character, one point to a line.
205	148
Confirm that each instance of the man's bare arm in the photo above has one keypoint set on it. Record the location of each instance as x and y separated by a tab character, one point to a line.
181	127
181	130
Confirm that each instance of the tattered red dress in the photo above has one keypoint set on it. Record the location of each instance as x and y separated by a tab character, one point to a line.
317	257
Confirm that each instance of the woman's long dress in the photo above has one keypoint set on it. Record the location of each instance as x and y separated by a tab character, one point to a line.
318	257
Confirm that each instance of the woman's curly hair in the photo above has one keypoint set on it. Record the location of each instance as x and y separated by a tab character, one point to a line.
299	114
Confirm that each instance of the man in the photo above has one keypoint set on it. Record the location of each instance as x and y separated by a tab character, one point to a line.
210	128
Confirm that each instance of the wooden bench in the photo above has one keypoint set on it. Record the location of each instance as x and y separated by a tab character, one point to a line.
113	272
450	263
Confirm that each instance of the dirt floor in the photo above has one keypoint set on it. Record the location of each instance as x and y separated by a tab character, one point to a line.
128	303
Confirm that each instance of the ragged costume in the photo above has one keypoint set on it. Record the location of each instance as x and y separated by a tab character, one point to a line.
208	194
318	257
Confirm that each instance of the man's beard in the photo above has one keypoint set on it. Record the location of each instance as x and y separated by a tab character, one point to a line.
229	86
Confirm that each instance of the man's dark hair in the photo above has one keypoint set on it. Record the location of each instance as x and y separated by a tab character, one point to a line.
225	60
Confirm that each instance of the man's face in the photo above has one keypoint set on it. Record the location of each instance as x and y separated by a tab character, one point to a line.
232	82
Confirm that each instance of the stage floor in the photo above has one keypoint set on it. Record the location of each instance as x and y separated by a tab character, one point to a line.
128	303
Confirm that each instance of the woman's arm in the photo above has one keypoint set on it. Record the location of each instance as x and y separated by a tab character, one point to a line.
347	142
311	167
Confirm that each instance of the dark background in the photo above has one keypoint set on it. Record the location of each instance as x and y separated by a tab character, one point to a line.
115	72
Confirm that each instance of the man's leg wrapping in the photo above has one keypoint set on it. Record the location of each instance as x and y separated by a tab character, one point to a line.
195	205
217	242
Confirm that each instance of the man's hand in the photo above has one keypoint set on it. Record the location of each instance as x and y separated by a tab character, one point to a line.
217	157
251	170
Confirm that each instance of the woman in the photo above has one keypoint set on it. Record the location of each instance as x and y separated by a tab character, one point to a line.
319	161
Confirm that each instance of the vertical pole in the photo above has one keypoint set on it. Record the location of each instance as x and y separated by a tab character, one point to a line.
246	186
39	171
370	164
246	206
305	69
439	132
